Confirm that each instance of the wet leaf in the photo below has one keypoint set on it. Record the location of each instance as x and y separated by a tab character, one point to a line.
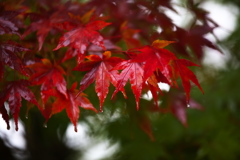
13	94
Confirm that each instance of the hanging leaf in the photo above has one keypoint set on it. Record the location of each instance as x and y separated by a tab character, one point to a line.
48	75
13	94
80	37
132	71
72	104
99	71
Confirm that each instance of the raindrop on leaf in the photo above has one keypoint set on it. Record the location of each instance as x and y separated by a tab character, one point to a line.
45	125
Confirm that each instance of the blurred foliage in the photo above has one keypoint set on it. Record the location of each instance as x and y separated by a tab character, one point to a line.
212	134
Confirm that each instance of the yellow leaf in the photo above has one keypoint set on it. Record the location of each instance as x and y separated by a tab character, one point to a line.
107	54
46	62
161	43
86	17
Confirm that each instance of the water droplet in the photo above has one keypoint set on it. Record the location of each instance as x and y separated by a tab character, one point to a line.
188	105
45	125
26	115
101	110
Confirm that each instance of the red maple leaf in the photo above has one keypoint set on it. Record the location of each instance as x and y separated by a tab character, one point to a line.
152	86
48	75
129	36
195	39
99	70
8	57
145	124
47	21
178	106
72	52
13	94
180	69
42	27
80	37
156	59
133	71
72	104
5	116
157	76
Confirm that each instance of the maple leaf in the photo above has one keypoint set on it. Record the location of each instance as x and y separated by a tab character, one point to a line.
42	27
161	43
99	70
153	87
8	57
145	124
200	13
178	107
129	36
48	21
133	71
72	104
166	3
5	116
193	38
80	37
72	52
48	75
13	94
197	41
155	57
180	69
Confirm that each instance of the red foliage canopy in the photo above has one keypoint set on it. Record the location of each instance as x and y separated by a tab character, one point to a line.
111	42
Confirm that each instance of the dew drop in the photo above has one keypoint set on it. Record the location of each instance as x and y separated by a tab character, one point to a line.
101	110
26	115
188	106
45	125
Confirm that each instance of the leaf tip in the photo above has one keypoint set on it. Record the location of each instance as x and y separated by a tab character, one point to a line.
16	128
75	128
8	127
137	105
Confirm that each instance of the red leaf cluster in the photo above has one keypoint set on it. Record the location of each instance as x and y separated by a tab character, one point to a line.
106	45
99	70
71	104
48	75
